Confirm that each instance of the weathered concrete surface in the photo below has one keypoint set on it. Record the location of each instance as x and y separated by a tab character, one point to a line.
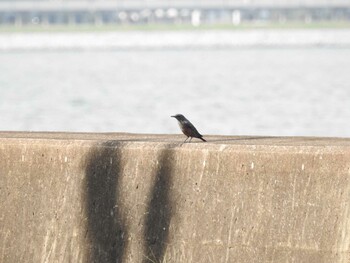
148	198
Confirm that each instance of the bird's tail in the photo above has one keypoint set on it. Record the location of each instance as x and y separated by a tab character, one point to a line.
202	139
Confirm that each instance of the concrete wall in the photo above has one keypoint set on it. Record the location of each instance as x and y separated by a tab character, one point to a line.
149	198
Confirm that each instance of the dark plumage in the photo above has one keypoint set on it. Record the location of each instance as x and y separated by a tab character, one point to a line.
187	128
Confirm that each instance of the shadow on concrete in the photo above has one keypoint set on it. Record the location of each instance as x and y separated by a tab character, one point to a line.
106	227
107	230
159	209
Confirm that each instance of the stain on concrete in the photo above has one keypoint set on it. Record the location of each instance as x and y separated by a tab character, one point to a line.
106	228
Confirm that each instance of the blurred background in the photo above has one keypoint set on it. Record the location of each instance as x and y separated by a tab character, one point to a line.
233	67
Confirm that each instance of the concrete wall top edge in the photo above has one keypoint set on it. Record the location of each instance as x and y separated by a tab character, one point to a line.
174	140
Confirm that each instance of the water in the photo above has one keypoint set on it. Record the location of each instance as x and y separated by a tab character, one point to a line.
247	89
175	39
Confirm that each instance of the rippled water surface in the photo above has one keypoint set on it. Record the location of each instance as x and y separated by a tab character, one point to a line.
243	89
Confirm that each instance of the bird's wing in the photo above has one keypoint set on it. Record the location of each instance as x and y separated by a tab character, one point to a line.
193	130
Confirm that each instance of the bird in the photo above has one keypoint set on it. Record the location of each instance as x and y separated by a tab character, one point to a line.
187	128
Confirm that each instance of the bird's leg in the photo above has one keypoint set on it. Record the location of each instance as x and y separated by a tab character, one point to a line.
190	139
186	140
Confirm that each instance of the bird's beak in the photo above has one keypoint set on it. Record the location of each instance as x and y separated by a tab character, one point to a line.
172	116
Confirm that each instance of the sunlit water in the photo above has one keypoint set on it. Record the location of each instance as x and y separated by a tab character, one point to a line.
251	88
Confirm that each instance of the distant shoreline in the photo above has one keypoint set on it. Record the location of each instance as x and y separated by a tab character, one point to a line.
172	27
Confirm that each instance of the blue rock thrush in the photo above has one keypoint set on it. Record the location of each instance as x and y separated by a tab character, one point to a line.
187	128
